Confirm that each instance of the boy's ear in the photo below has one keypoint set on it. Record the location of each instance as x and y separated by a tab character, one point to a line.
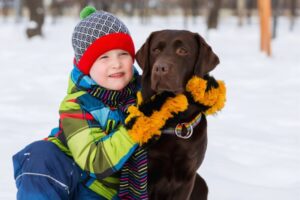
207	59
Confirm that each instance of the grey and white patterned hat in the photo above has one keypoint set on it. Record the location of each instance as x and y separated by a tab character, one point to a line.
97	33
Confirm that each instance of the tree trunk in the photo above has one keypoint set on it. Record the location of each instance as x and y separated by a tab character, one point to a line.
194	8
18	6
241	10
213	15
185	11
249	6
5	8
56	10
293	4
144	11
37	15
82	4
265	10
276	12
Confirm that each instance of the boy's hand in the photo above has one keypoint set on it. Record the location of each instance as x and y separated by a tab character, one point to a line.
141	128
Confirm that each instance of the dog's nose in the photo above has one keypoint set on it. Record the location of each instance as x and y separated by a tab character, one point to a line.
161	68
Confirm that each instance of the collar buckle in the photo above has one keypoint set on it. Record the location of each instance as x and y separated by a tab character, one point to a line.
178	130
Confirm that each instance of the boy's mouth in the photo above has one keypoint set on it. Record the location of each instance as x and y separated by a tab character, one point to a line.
117	75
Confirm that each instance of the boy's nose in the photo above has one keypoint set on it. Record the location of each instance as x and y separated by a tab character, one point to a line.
116	63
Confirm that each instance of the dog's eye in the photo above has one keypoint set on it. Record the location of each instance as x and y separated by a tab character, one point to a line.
181	51
156	50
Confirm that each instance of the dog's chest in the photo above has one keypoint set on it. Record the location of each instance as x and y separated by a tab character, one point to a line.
172	155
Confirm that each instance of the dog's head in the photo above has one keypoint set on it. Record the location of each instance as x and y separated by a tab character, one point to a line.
169	58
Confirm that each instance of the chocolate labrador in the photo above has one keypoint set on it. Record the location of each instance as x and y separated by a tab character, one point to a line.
169	58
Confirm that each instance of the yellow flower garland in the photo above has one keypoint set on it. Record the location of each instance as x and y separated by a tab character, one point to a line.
145	127
214	98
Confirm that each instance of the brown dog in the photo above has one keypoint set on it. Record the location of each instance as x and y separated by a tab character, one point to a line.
169	58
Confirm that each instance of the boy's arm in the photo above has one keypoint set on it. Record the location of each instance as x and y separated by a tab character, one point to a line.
92	149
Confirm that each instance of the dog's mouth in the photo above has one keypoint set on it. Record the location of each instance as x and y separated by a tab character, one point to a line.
160	84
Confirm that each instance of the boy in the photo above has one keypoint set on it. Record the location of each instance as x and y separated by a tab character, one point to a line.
82	158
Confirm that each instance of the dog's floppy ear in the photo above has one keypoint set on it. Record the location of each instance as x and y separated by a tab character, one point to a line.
143	57
207	59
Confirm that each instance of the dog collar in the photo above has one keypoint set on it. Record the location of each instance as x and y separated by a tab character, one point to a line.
188	125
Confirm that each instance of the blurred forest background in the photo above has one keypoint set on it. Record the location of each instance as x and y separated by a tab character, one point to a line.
212	10
253	151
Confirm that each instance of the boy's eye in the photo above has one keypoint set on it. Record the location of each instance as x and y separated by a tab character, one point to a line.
124	53
103	57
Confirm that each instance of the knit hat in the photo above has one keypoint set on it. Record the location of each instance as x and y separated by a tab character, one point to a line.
97	33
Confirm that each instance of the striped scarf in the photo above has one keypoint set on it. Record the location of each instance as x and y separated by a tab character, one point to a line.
116	99
133	180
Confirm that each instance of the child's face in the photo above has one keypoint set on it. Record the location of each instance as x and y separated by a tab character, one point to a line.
113	70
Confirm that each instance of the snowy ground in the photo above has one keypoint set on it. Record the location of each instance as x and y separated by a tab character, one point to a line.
254	143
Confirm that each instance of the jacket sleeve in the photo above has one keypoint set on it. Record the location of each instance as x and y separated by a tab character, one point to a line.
93	150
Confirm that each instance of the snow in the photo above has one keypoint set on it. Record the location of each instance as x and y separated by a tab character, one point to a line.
254	143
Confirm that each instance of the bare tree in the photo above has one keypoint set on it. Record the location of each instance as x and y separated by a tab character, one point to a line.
250	4
127	7
241	11
82	3
36	15
143	8
265	10
5	8
189	7
18	6
213	13
56	10
293	5
105	5
185	9
276	4
195	9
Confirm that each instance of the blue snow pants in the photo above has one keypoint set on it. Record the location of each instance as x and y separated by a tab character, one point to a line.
43	172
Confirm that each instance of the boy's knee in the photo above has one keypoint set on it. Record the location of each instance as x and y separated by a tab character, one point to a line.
39	156
35	152
41	148
42	162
